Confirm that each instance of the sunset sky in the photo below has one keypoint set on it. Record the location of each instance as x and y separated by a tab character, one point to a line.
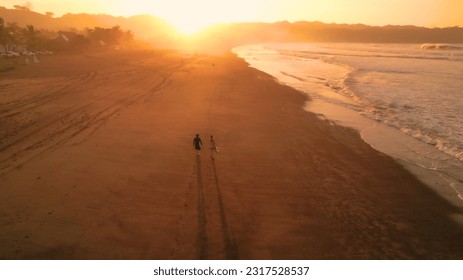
191	15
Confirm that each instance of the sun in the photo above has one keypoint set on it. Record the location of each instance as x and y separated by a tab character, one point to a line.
189	26
190	17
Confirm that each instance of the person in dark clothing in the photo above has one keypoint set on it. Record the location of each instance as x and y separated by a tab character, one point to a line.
197	143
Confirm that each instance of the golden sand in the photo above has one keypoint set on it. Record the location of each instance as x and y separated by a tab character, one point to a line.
97	162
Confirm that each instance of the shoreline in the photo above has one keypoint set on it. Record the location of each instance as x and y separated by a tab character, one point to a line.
112	174
405	149
438	170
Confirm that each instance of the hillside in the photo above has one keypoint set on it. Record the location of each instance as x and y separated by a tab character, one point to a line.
224	36
144	27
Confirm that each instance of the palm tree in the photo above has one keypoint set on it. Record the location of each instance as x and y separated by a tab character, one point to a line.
3	33
30	36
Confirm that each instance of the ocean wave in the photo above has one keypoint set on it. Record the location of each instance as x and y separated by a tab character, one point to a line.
402	94
382	115
325	55
429	46
293	76
440	144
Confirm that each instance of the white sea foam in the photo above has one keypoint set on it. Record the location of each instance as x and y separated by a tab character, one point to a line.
428	46
416	89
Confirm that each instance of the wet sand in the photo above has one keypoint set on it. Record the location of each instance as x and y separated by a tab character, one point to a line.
97	162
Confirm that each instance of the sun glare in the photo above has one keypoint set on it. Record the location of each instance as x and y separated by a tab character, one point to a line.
188	26
189	17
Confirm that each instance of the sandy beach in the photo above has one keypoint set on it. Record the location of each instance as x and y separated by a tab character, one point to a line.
97	162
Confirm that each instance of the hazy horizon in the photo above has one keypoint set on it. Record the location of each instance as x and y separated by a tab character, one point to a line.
190	17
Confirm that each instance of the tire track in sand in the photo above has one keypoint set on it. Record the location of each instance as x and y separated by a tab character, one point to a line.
81	120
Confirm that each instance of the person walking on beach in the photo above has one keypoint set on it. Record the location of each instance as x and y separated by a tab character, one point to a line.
213	146
197	143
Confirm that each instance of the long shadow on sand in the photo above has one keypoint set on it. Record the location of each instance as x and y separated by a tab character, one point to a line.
202	221
230	246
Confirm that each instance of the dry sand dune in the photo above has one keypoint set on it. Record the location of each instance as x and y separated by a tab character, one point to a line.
97	162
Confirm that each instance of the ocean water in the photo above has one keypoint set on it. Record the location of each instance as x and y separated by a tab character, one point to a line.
406	100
